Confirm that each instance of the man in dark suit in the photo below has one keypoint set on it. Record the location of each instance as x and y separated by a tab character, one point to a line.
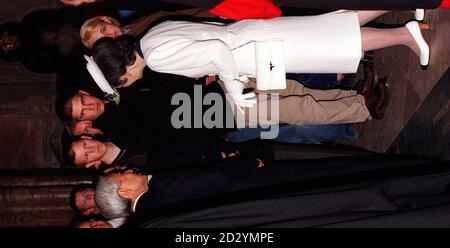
124	191
147	194
197	151
117	190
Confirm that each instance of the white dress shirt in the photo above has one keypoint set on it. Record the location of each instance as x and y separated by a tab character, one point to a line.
133	208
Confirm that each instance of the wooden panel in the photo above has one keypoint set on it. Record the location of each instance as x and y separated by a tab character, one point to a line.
45	177
17	73
30	132
21	143
17	9
30	135
35	206
38	198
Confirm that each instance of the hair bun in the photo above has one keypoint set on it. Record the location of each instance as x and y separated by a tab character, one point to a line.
113	56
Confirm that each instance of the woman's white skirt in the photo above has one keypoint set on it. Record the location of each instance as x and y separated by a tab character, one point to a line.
328	43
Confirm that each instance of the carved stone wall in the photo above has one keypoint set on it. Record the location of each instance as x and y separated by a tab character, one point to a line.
38	198
16	72
34	189
17	9
29	128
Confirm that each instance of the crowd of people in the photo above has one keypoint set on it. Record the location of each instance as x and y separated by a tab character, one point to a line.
150	153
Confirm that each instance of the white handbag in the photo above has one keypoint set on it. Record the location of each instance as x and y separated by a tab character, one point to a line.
270	64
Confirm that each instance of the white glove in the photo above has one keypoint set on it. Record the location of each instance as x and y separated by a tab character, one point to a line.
244	100
244	79
235	89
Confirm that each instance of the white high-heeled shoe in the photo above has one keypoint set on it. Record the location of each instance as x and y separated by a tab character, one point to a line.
414	29
419	14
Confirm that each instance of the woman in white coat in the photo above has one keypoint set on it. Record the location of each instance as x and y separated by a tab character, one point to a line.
329	43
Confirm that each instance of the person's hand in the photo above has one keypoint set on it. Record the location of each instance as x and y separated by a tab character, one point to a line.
235	89
261	163
244	100
243	79
229	155
115	167
209	79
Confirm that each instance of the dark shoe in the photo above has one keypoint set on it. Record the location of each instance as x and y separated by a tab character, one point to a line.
376	100
383	103
366	84
368	57
371	100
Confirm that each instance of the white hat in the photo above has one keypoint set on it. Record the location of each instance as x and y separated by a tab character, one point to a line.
109	93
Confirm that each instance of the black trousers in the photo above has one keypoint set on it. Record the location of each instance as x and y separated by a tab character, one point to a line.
333	171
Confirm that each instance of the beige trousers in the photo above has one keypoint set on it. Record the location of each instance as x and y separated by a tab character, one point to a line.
298	105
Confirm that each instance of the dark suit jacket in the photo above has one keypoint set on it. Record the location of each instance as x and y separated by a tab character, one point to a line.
154	5
395	202
139	27
200	151
193	183
239	180
231	176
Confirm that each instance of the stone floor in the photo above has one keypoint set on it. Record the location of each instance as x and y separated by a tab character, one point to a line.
409	85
